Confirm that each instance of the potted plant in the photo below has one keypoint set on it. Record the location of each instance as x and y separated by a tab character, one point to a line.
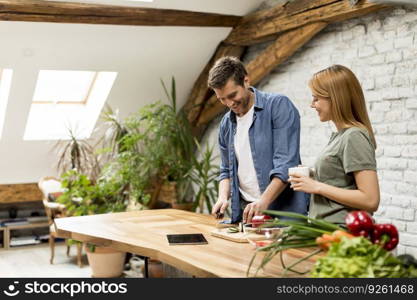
82	197
176	188
77	154
157	146
123	159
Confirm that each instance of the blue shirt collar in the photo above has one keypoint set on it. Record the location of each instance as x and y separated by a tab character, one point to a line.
259	101
259	104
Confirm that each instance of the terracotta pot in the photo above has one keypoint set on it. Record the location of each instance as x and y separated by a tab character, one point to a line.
106	262
168	192
155	269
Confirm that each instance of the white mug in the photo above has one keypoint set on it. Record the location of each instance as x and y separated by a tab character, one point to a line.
303	171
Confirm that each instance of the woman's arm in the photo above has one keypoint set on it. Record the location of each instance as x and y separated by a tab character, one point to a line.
366	197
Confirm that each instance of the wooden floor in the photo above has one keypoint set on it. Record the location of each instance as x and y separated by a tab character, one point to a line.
33	261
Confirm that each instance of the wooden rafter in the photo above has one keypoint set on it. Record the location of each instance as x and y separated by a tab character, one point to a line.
71	12
265	25
287	8
291	25
262	65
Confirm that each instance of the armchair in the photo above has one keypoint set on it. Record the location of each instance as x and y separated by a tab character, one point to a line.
51	189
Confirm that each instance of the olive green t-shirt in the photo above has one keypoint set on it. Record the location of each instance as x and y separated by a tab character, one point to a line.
349	150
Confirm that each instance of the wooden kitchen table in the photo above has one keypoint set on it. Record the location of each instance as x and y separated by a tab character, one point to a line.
144	233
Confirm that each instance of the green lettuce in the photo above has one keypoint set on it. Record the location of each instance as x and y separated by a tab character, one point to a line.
358	258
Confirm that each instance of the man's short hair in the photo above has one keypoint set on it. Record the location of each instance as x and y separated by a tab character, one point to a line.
226	68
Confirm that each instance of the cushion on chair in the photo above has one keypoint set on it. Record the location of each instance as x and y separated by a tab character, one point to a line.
51	186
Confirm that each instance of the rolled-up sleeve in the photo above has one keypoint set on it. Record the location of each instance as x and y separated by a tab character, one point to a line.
224	152
286	138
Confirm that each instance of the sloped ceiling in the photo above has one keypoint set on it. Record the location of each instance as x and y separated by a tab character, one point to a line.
141	55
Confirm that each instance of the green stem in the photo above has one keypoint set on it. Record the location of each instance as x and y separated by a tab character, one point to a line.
300	216
285	268
306	228
289	268
250	263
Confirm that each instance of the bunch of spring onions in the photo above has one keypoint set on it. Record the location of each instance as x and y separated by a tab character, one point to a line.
299	232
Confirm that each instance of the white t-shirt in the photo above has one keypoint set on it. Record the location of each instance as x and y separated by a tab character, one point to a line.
248	182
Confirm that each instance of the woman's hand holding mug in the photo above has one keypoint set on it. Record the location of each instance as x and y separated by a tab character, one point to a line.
299	178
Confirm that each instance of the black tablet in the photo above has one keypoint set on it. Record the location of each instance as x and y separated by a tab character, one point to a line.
186	239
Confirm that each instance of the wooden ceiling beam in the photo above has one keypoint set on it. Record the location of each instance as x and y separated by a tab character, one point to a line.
264	63
71	12
266	25
288	8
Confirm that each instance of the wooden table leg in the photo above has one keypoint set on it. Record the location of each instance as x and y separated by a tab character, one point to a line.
146	275
6	238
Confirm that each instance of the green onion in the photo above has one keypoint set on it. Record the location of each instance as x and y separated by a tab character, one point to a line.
300	232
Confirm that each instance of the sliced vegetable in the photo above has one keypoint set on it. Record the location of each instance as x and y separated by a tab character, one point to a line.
385	235
359	223
232	230
260	220
263	243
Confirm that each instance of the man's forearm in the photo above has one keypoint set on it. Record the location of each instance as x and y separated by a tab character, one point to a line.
275	187
224	189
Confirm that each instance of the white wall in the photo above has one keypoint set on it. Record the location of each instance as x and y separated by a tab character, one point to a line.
381	49
142	55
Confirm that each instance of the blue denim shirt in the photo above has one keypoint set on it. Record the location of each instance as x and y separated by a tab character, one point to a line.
274	138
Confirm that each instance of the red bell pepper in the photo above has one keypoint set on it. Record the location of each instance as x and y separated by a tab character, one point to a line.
359	223
391	239
260	220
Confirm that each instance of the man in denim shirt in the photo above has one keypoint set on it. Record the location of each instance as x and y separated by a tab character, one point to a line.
259	140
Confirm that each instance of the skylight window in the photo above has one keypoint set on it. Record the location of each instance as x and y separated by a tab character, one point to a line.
67	100
64	86
5	82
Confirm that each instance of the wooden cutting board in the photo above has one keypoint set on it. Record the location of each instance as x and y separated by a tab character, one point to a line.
238	237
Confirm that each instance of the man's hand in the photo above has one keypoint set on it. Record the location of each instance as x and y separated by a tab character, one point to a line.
220	207
254	209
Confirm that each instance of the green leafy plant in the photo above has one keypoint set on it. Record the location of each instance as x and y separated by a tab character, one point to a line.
359	258
157	145
83	197
115	130
122	156
147	149
203	175
181	145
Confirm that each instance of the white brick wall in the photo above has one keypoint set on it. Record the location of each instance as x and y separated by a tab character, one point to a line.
381	49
